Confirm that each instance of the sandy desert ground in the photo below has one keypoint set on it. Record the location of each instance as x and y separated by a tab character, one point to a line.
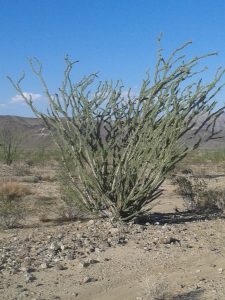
173	254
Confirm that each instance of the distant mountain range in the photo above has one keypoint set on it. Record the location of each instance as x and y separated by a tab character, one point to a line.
35	135
33	132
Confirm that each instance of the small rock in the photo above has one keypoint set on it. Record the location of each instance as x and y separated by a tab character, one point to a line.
44	266
94	261
27	261
98	250
29	277
90	249
91	222
55	246
75	294
60	267
106	259
27	269
84	264
89	279
155	240
62	247
122	240
168	240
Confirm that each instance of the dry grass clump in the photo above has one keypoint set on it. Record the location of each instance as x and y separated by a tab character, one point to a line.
49	178
70	213
11	206
13	189
31	179
155	289
21	169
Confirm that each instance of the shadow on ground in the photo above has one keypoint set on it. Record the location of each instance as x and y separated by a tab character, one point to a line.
193	295
180	217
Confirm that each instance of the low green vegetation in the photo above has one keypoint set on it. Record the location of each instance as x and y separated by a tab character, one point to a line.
40	156
10	141
204	156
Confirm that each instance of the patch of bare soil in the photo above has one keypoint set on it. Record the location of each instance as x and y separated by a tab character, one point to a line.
172	254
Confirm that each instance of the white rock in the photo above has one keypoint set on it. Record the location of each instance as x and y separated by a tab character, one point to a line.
91	222
44	266
89	279
55	246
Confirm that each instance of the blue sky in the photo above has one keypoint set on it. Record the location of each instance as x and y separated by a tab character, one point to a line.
115	37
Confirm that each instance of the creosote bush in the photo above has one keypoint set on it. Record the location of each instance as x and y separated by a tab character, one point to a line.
117	148
198	196
11	207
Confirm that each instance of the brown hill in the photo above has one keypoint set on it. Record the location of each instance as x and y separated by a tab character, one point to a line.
35	134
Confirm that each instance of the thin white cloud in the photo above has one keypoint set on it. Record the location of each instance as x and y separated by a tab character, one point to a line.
133	93
20	99
2	105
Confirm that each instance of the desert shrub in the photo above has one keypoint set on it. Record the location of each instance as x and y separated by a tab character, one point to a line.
21	169
153	289
12	210
44	156
117	148
197	195
40	156
10	141
212	200
70	212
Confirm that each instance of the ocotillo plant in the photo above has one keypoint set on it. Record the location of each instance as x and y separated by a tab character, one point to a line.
116	149
10	141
